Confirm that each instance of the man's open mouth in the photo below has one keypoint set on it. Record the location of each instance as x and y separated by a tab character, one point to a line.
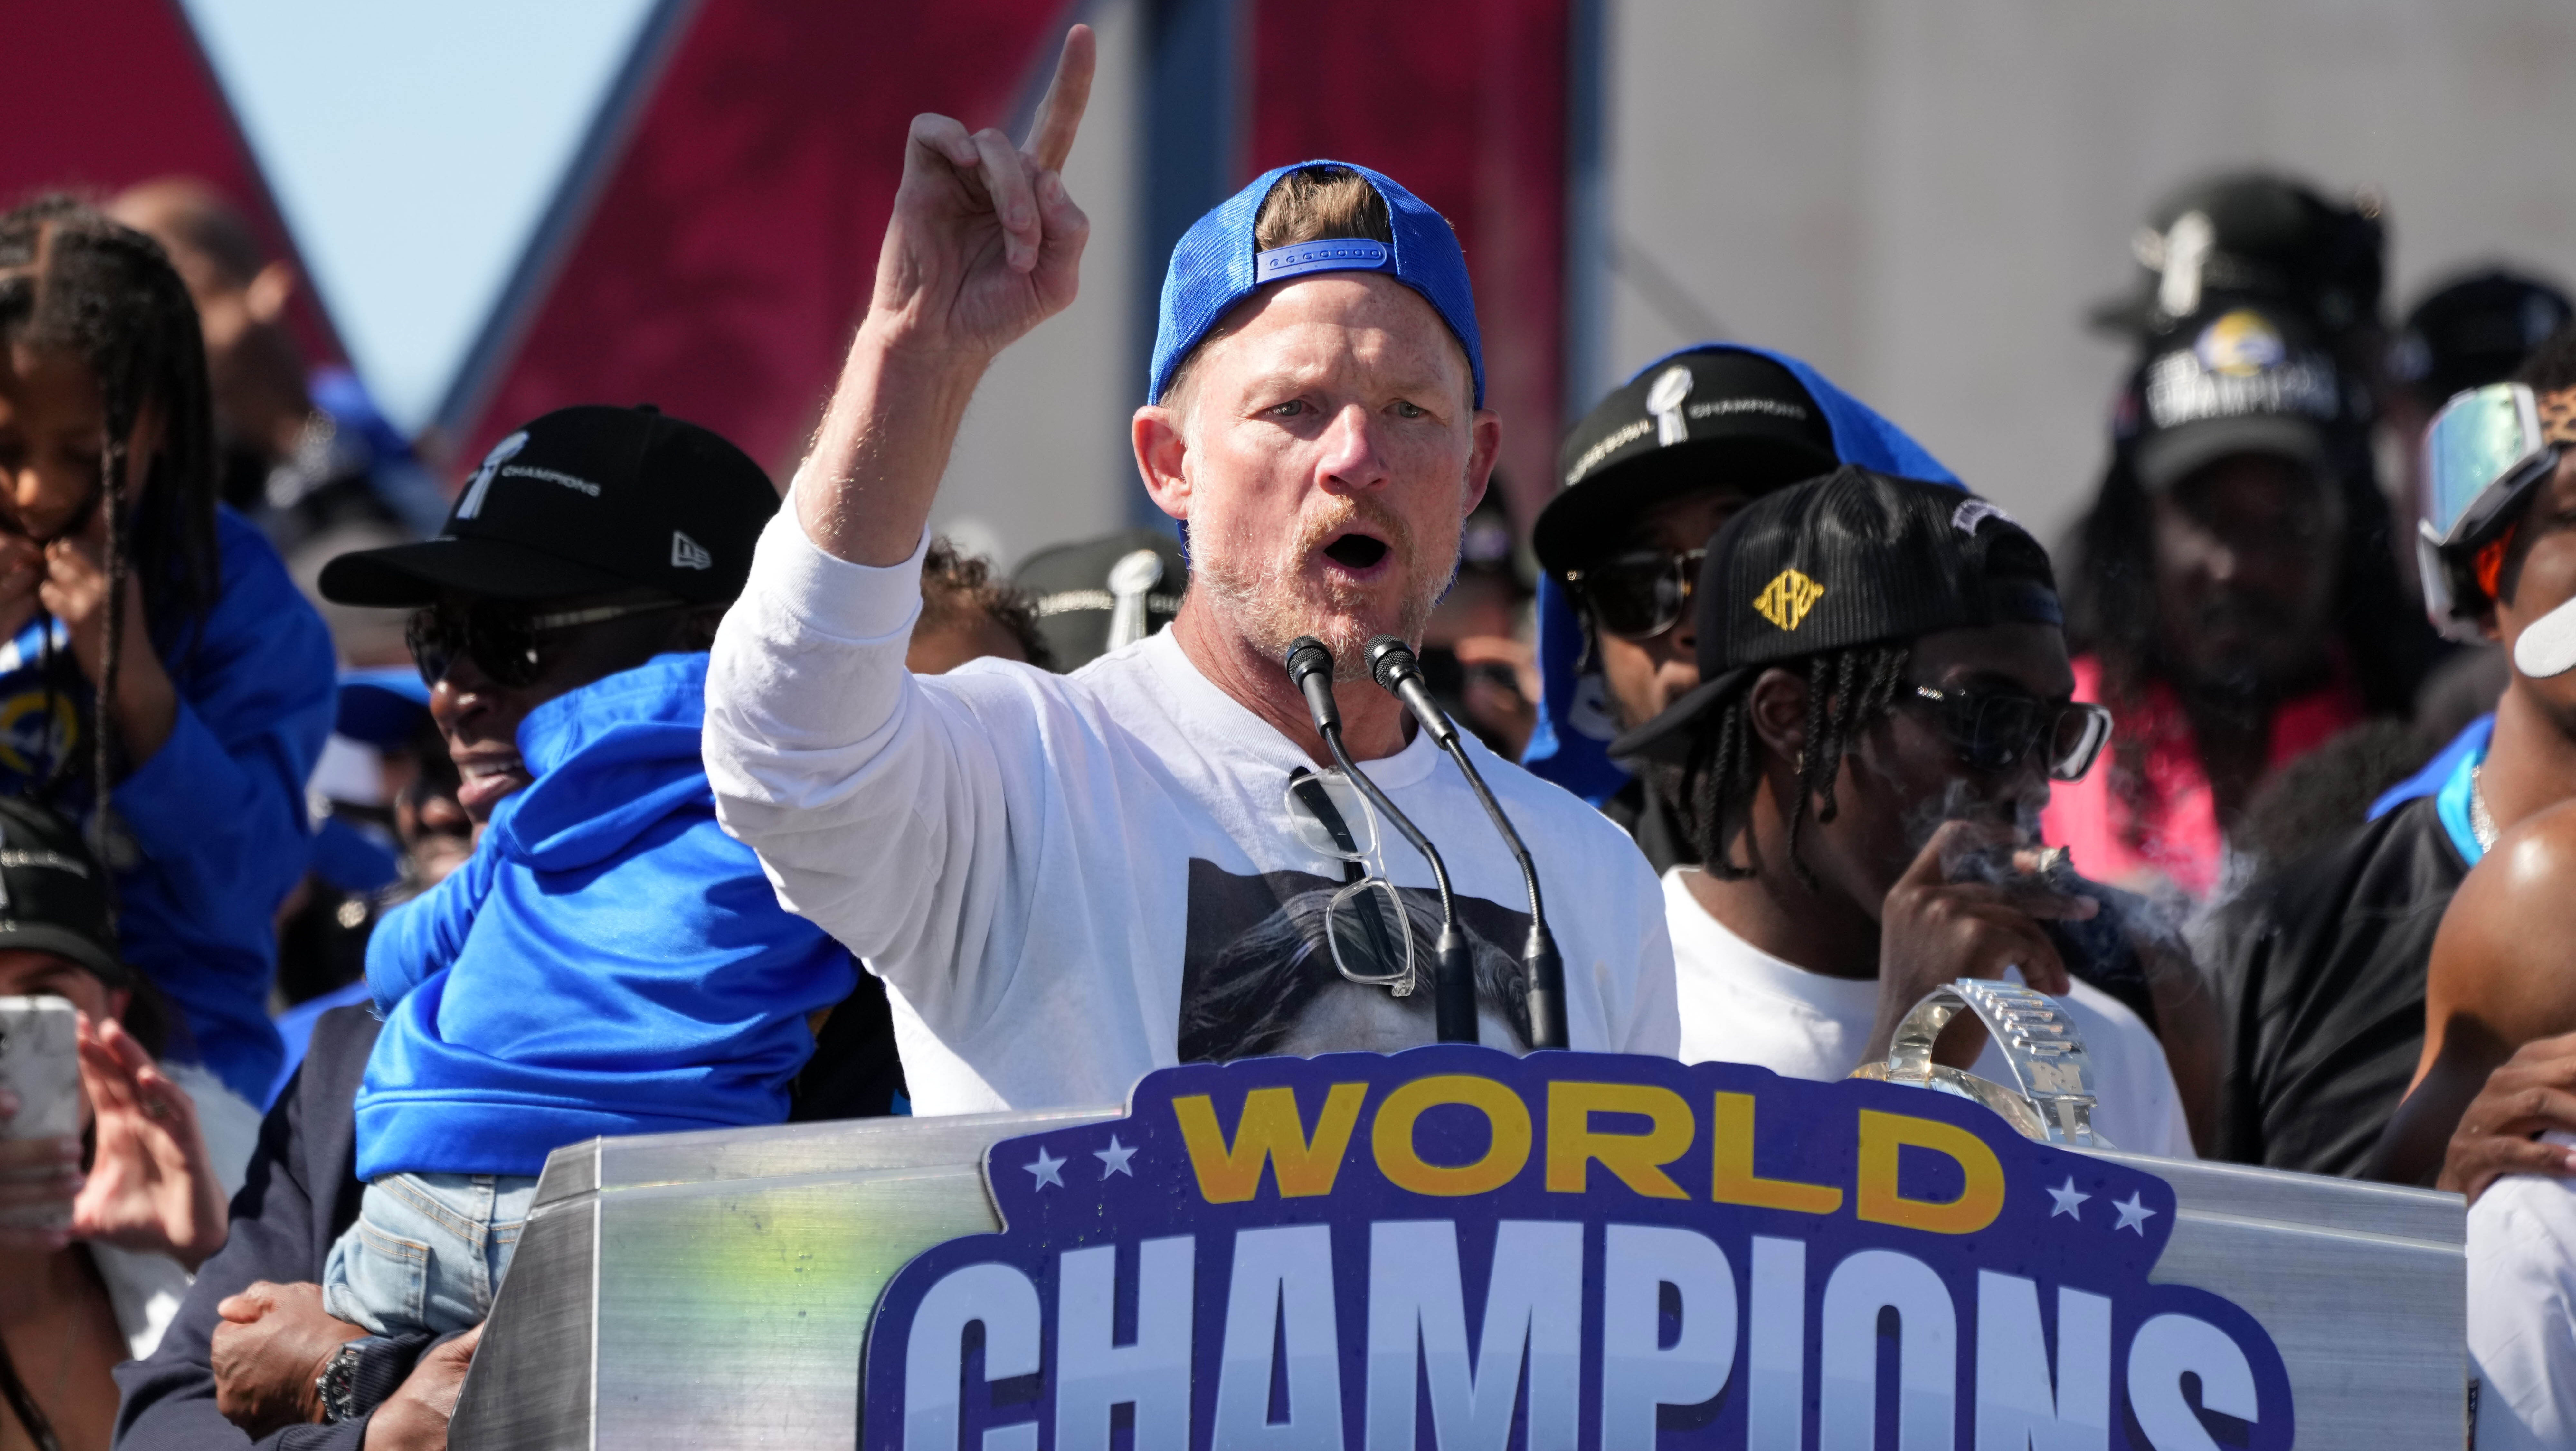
1356	551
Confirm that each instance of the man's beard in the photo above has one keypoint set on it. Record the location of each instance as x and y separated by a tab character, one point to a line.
1265	598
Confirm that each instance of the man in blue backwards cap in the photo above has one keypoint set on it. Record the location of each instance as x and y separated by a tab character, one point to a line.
1067	881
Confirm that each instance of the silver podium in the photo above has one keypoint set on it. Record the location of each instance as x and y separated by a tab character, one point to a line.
712	1290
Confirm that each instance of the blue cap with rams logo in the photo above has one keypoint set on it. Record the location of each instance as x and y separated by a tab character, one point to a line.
1217	263
1853	558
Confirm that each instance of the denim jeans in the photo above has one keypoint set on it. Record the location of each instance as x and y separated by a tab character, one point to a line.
428	1251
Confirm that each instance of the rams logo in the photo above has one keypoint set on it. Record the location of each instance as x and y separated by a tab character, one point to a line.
29	737
2240	344
1787	598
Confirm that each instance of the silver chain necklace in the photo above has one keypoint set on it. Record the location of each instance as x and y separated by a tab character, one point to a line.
2481	821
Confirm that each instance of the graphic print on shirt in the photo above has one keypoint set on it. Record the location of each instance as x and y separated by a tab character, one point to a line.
45	720
1258	976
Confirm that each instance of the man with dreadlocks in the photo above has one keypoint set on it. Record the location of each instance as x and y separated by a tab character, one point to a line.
161	679
1884	698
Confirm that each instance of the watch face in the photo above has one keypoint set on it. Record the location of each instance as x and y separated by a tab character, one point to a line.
336	1383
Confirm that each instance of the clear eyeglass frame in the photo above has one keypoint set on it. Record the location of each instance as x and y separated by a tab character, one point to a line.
1366	924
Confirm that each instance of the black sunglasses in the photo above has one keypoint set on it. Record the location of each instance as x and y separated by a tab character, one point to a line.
501	639
1639	595
1994	730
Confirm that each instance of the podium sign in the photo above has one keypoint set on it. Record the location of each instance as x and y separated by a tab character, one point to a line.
1451	1247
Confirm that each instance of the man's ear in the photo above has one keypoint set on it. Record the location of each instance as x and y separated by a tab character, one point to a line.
1485	446
1778	699
268	292
1162	453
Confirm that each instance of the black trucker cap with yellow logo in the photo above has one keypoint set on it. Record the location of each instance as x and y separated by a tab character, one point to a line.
1853	558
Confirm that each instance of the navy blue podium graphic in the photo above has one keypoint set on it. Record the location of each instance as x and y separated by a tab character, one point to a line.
1454	1248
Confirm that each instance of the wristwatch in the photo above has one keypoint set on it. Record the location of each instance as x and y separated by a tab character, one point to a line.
362	1372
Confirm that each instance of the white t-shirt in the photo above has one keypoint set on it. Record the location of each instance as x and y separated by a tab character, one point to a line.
1050	872
1740	1004
2522	1311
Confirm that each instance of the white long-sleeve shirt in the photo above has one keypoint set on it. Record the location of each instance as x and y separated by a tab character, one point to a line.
2522	1310
1052	872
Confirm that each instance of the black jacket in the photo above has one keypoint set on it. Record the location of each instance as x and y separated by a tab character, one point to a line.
2320	973
301	1193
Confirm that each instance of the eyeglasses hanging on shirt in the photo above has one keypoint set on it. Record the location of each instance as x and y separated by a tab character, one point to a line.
1366	924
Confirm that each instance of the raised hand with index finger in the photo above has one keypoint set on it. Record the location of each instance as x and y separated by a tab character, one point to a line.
985	242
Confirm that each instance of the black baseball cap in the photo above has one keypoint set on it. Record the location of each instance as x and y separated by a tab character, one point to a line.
1854	558
1707	418
2239	377
2472	331
1074	589
584	500
53	896
2254	234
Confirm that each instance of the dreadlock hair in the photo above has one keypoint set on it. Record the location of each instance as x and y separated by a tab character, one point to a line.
74	281
1846	690
2111	603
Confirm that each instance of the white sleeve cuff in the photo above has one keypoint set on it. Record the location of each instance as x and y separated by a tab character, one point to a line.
854	602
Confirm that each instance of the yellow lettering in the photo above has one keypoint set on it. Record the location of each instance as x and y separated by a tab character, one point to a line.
1637	1159
1733	1181
1269	1132
1504	1113
1979	1201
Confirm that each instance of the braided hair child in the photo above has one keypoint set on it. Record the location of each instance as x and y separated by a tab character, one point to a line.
161	680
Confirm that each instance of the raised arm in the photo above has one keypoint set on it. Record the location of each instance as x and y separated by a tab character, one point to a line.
877	812
984	245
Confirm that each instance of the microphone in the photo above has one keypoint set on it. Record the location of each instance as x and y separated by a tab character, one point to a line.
1392	663
1453	971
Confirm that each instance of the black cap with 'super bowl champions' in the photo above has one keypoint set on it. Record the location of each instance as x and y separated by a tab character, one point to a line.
1854	558
585	500
1712	417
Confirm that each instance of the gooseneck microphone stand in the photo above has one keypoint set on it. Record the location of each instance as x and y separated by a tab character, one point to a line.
1453	971
1392	663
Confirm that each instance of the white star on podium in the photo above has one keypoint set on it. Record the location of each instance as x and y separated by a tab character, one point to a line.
2068	1197
1113	1160
2133	1215
1045	1170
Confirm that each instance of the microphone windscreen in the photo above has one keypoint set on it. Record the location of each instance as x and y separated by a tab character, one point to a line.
1390	660
1308	656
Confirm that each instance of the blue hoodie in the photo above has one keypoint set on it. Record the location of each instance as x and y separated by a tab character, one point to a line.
608	961
1575	724
214	824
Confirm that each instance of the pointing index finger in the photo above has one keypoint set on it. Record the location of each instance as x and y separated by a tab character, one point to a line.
1060	114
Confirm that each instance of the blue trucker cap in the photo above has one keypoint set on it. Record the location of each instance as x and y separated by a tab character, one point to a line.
1216	265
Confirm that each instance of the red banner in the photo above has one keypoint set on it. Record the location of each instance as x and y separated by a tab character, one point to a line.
734	242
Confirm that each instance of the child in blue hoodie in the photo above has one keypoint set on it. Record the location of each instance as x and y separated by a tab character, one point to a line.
608	961
161	680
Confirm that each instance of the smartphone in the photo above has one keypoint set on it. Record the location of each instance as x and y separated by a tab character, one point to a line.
40	1063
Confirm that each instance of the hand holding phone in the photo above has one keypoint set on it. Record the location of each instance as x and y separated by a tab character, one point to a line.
40	1117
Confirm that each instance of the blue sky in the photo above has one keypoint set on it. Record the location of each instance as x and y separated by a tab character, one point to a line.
412	145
